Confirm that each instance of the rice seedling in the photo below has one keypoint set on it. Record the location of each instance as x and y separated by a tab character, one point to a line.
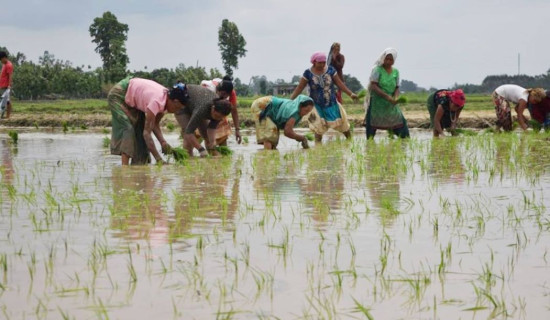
342	225
464	132
224	150
402	100
180	155
170	126
14	136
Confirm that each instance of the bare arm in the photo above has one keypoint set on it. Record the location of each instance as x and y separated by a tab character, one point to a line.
374	87
299	88
211	146
522	105
289	132
340	84
437	121
158	133
396	93
147	136
235	117
192	140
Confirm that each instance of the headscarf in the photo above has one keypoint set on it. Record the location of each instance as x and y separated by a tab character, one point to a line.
329	59
457	97
380	61
318	57
281	109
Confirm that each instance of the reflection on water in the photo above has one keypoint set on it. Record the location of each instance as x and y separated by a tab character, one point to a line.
384	166
323	182
445	161
161	204
6	170
137	209
421	228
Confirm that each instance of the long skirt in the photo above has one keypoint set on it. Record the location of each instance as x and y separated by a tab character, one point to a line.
402	132
266	129
127	127
503	112
332	117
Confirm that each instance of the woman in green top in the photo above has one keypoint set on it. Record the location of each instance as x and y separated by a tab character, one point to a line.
383	111
272	113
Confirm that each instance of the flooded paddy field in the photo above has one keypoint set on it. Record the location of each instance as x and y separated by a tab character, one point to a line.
385	229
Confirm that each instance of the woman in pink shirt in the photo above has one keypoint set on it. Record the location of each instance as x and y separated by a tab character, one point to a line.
137	106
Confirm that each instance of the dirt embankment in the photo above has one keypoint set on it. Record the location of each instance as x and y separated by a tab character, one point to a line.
416	119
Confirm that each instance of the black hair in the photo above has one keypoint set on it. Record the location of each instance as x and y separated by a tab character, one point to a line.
3	54
222	106
306	103
179	92
226	85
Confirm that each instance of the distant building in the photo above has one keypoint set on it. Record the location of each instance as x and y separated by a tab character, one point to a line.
284	89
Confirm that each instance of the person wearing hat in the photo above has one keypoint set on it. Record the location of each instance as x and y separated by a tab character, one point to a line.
137	106
445	107
507	94
328	113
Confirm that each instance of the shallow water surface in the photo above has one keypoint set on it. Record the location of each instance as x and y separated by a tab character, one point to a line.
389	229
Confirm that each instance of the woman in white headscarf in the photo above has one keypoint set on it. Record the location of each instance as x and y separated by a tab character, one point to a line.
383	112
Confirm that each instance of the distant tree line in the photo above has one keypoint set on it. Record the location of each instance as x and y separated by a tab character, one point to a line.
53	78
489	84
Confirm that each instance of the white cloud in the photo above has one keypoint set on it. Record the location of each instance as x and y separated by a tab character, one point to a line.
439	43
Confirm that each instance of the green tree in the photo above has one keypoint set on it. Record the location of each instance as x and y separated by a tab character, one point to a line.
352	83
110	36
408	86
231	44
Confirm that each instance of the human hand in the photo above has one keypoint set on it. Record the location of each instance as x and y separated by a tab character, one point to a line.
161	162
305	144
238	136
354	97
203	153
166	148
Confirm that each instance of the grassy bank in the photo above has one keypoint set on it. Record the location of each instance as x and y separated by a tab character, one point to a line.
96	113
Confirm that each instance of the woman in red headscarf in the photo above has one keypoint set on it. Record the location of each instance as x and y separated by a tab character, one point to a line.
445	107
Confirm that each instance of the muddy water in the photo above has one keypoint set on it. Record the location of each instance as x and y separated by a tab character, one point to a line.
444	229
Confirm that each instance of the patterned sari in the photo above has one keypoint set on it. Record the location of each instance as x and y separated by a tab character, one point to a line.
127	126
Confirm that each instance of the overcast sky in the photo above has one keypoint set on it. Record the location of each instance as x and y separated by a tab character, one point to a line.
439	43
